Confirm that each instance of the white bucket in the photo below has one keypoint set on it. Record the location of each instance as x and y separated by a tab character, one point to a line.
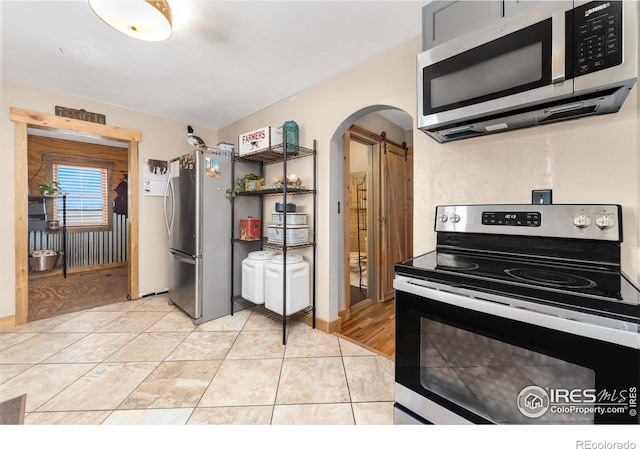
297	284
253	275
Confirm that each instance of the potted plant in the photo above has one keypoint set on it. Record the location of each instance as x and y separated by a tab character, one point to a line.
49	188
247	183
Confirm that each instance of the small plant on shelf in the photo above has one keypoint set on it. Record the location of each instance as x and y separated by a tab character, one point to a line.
248	182
49	188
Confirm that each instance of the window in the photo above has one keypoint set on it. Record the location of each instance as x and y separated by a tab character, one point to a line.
86	185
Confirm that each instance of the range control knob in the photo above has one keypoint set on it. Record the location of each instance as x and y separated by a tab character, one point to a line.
605	221
455	218
581	221
442	218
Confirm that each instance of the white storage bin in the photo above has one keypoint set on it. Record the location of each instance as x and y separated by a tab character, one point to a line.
297	284
253	275
296	235
292	218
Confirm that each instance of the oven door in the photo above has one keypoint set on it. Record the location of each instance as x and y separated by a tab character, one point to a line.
519	62
461	359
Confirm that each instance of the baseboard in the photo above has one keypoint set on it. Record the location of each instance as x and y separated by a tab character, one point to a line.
8	321
86	269
335	325
328	327
77	270
344	315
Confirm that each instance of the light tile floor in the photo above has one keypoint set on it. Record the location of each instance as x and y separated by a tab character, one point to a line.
145	362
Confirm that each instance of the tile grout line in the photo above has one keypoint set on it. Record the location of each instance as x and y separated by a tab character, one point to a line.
288	353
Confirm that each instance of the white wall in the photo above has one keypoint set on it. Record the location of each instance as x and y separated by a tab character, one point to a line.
591	160
377	123
161	139
584	161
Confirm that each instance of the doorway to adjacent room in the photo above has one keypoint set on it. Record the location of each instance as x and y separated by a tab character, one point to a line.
94	267
377	225
29	120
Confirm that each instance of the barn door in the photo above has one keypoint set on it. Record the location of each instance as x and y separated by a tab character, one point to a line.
396	212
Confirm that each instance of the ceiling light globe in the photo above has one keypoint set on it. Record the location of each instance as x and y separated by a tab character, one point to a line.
148	20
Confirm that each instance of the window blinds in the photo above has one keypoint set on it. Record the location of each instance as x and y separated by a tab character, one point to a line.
87	194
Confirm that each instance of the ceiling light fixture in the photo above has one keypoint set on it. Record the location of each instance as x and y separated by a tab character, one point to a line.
148	20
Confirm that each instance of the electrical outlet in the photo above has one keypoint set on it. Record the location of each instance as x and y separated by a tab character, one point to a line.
541	196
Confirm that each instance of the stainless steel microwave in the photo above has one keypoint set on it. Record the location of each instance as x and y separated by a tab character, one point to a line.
554	61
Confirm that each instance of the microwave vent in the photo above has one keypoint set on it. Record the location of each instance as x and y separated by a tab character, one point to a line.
597	102
574	113
463	134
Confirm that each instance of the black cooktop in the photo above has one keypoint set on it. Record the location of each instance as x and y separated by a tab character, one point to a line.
594	289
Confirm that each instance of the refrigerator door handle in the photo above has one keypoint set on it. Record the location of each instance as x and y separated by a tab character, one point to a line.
168	222
181	258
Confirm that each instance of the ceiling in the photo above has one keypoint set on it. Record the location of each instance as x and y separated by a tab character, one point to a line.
224	61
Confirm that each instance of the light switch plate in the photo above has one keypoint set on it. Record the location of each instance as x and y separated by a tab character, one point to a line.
541	196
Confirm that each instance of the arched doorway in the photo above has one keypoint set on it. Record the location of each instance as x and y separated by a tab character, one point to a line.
380	257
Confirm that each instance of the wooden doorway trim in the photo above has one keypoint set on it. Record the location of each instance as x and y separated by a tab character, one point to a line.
346	206
23	120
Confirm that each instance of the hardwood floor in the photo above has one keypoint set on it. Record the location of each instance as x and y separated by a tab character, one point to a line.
51	294
372	324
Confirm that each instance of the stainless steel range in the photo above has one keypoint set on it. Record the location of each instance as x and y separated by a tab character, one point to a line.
521	315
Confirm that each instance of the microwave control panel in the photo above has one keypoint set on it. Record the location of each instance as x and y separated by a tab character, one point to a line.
598	36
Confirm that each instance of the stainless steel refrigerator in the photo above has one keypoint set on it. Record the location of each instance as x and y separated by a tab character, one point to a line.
198	220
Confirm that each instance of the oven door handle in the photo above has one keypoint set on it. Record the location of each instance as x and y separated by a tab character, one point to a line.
517	312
